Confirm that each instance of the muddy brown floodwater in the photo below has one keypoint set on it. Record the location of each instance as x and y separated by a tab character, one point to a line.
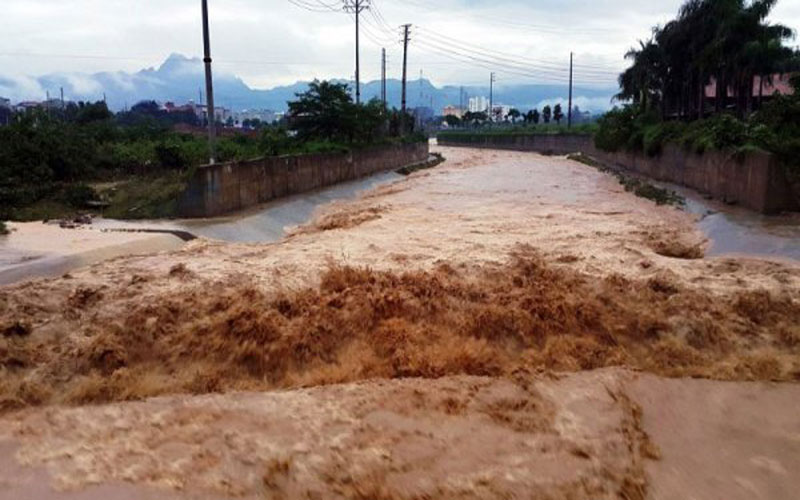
506	325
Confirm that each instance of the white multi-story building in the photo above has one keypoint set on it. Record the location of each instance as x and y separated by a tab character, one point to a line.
478	104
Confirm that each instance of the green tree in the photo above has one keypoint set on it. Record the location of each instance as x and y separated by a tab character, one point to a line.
558	114
324	112
452	120
547	113
724	42
478	118
514	114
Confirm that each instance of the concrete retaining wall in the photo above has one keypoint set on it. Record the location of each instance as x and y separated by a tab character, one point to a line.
754	180
228	187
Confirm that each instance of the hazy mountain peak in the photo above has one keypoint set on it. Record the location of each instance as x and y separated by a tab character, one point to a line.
180	79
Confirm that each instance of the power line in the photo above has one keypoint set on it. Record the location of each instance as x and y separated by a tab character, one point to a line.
355	7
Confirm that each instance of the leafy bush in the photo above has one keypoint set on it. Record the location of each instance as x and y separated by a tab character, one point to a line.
615	129
79	195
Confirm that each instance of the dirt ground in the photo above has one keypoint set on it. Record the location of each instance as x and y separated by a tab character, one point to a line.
498	327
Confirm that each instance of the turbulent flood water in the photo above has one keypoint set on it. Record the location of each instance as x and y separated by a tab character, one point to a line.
732	230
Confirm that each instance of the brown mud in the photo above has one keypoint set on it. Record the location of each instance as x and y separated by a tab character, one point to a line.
497	269
362	324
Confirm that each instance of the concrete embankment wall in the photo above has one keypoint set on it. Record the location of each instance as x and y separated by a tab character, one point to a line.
753	180
228	187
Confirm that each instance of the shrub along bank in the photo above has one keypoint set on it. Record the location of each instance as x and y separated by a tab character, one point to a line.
133	165
775	129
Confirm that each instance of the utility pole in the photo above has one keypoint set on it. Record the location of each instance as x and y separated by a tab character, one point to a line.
569	112
406	28
210	110
491	96
383	78
356	6
461	99
420	88
62	99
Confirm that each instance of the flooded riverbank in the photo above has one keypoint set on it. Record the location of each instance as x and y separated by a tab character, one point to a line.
35	250
735	230
267	223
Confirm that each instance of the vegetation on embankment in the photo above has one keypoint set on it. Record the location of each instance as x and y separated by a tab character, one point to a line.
712	44
437	160
133	165
478	133
635	185
3	228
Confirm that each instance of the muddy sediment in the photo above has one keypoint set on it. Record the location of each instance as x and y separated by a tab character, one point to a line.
362	324
452	335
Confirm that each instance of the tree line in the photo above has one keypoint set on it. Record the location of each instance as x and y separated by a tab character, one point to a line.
515	116
53	154
721	43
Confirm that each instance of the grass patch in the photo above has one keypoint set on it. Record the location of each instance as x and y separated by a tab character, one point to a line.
146	197
637	186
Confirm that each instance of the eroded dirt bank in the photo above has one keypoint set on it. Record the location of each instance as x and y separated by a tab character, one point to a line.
498	265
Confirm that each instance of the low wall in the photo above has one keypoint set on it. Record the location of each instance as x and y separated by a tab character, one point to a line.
228	187
753	180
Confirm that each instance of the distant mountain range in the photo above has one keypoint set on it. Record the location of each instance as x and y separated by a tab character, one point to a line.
179	79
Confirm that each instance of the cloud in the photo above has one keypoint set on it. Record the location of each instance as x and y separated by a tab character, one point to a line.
277	43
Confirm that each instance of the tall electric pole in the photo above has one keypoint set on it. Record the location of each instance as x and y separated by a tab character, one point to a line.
569	112
406	28
356	6
210	110
383	78
491	96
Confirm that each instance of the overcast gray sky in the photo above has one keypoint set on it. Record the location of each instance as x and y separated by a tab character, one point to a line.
274	42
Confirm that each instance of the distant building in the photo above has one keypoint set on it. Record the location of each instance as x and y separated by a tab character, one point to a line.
780	84
478	104
266	116
453	111
28	105
5	103
220	114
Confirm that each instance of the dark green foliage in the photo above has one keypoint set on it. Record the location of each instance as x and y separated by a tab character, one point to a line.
615	129
558	115
727	42
452	121
547	114
47	160
79	195
3	228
